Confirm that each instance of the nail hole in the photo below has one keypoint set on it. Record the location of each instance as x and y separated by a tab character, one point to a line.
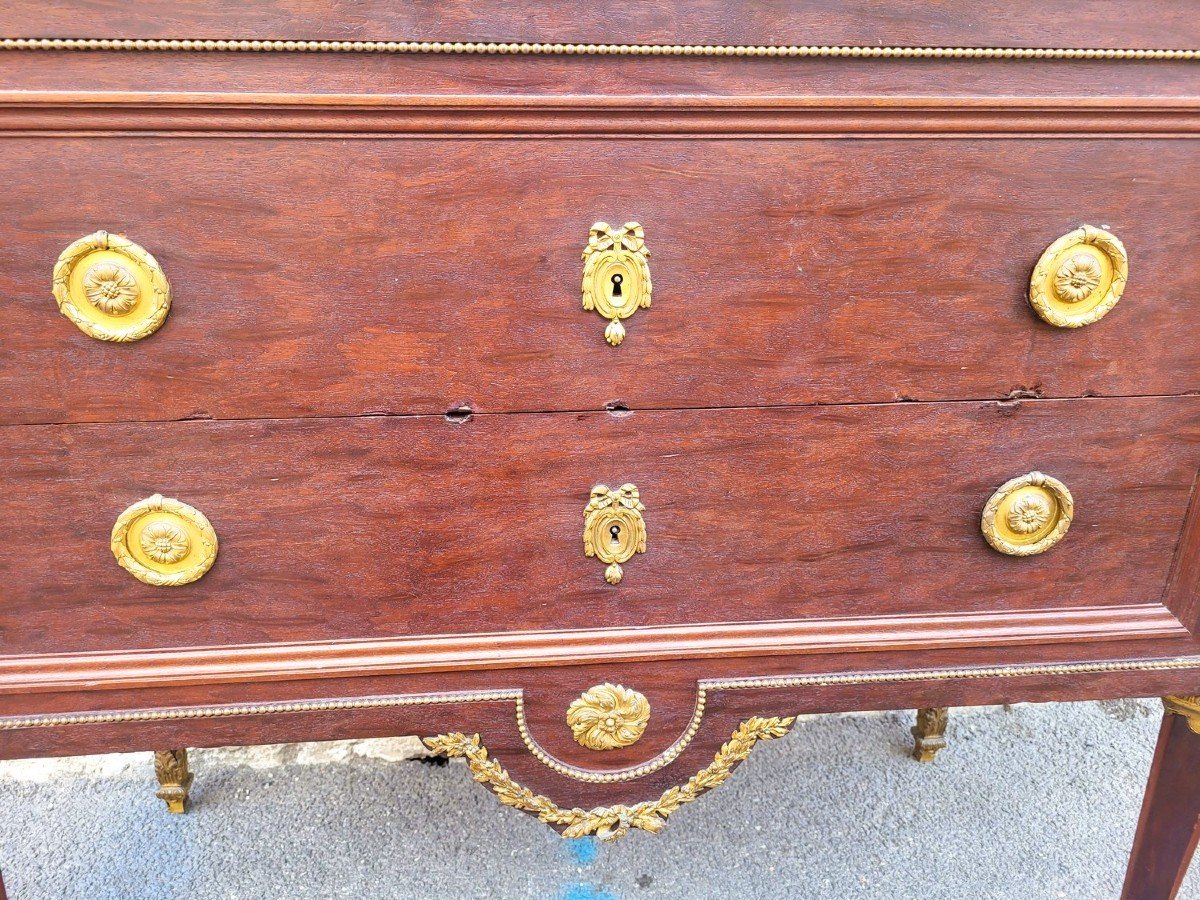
459	415
617	408
1023	393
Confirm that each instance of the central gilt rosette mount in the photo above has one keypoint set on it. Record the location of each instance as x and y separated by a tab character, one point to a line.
608	717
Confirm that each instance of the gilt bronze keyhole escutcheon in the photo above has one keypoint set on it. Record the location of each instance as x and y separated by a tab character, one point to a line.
613	528
616	275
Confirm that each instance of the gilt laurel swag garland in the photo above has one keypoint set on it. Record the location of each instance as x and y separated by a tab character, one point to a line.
612	822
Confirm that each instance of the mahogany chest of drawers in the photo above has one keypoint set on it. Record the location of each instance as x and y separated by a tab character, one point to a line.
594	394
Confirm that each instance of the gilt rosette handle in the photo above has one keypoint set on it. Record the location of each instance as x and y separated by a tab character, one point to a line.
1079	278
1027	515
111	288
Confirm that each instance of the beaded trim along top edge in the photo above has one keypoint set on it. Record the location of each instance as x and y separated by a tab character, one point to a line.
525	48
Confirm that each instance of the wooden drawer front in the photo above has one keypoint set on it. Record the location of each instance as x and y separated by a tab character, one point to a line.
319	276
378	527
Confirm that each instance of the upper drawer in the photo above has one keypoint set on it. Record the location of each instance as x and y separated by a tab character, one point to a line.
317	276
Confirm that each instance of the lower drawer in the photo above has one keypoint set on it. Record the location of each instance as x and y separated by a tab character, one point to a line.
381	528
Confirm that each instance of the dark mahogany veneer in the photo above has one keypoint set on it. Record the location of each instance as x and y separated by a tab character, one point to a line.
838	369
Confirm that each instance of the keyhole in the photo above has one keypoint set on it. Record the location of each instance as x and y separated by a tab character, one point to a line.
616	287
615	531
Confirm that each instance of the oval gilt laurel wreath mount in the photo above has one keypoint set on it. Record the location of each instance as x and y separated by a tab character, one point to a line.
1027	515
1079	278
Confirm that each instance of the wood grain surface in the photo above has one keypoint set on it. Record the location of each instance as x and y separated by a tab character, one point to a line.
784	272
392	526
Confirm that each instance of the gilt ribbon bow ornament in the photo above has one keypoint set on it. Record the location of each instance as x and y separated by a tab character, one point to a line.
616	275
630	236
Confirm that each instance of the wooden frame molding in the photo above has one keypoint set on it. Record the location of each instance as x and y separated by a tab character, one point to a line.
173	667
31	113
1182	594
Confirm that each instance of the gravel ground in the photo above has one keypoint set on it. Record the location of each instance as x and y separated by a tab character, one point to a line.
1027	802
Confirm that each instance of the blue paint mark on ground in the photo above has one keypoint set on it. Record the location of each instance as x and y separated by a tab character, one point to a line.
584	850
586	892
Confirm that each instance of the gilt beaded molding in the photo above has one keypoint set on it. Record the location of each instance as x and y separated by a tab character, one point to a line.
528	48
665	758
12	723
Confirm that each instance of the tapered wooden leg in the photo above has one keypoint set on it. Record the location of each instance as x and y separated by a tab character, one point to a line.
1167	831
174	778
3	895
930	732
